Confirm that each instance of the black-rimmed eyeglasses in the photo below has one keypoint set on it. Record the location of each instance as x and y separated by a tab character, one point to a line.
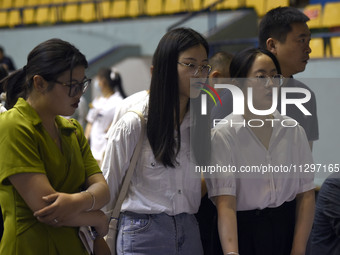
76	87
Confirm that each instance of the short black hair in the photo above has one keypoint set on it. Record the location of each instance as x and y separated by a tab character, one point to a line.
277	24
221	61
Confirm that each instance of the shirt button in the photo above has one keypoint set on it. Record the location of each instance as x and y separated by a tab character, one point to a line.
153	164
179	191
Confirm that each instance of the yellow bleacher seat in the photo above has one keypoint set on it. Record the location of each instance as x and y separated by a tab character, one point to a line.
19	3
207	3
36	2
58	1
195	5
88	12
6	4
173	6
335	45
317	46
232	4
271	4
3	19
46	15
44	1
154	7
70	13
258	5
331	14
29	16
134	8
42	15
118	9
314	13
14	18
226	4
104	9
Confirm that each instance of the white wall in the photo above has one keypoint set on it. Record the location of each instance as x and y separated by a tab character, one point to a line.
136	74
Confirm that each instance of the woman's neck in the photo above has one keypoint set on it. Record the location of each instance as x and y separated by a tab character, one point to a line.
262	131
249	116
47	119
183	108
107	93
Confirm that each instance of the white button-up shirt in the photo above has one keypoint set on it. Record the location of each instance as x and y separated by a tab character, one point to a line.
101	116
239	147
153	188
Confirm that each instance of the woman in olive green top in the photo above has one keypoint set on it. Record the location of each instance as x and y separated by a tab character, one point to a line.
49	181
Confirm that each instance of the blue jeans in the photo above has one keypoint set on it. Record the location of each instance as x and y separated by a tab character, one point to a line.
158	234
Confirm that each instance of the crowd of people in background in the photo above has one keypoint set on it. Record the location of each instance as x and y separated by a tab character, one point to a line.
58	174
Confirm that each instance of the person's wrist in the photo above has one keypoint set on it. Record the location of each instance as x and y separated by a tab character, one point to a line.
93	200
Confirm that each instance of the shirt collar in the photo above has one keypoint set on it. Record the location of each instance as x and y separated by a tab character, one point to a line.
31	115
187	122
27	110
239	119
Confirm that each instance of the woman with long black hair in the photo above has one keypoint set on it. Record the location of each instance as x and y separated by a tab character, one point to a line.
157	215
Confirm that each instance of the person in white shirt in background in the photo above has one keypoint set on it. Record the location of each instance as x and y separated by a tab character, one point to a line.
3	74
129	103
274	210
2	109
157	215
102	110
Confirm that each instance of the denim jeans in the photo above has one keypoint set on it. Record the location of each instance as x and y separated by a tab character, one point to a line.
158	234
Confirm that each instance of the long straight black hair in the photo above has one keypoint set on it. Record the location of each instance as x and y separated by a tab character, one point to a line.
49	59
163	112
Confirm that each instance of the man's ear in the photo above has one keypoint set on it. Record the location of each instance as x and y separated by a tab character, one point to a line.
40	84
271	44
215	74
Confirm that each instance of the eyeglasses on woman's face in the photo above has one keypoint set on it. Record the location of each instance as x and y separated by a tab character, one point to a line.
194	69
76	87
265	80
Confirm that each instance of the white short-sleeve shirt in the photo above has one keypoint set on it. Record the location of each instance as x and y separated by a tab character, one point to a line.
278	179
2	109
154	188
101	115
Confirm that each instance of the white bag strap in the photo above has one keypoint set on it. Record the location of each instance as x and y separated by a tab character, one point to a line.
125	186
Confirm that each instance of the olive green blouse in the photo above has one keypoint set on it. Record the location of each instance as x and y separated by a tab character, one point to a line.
26	147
